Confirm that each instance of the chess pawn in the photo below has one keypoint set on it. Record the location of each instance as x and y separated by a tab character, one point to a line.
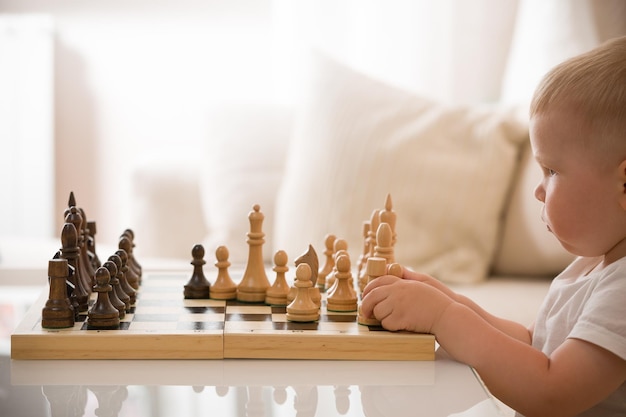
327	269
134	271
277	293
375	268
224	287
339	246
102	314
131	274
135	263
302	308
114	295
119	258
198	286
58	312
343	297
254	283
119	291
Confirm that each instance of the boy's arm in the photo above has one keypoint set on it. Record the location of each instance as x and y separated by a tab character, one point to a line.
577	375
511	328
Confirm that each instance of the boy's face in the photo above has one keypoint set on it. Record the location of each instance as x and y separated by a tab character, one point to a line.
582	196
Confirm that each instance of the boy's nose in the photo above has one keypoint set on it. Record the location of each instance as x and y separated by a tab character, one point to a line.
540	193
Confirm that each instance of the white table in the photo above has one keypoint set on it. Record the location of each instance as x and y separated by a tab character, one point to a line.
244	388
238	387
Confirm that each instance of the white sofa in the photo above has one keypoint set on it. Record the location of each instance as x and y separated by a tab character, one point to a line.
461	178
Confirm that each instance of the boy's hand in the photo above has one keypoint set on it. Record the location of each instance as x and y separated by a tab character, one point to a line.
404	304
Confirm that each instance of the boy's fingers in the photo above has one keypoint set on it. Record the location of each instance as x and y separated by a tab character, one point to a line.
384	280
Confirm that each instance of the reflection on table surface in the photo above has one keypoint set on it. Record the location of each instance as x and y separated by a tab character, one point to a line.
241	388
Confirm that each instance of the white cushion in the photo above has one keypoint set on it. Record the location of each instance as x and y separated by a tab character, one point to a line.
447	169
242	166
527	247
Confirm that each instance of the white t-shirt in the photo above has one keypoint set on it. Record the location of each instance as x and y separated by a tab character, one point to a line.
591	306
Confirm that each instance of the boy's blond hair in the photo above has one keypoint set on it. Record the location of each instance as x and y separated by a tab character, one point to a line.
593	87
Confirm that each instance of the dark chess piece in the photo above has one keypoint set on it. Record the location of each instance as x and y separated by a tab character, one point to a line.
134	262
91	245
73	216
116	301
119	291
102	314
198	286
58	312
120	258
132	276
70	251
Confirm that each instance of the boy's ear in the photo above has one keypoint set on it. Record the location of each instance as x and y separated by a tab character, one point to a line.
622	178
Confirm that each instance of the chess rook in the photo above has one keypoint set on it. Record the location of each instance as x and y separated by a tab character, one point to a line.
254	283
58	312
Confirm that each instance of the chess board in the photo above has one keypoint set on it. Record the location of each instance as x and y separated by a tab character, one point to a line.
165	325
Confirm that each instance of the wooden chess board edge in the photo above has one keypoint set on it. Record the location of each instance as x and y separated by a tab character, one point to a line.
343	347
112	346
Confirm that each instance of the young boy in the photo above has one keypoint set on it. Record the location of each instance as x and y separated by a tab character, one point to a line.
572	361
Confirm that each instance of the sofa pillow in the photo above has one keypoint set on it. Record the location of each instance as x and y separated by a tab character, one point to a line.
527	247
447	169
242	166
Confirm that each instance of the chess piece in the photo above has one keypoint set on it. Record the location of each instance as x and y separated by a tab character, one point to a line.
395	269
310	258
131	274
375	268
126	242
366	248
329	243
384	247
102	314
277	293
254	283
198	287
370	242
339	246
119	258
389	216
343	297
69	251
114	295
119	291
73	216
224	287
58	312
302	308
91	245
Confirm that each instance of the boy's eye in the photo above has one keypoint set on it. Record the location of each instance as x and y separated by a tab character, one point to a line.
549	172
